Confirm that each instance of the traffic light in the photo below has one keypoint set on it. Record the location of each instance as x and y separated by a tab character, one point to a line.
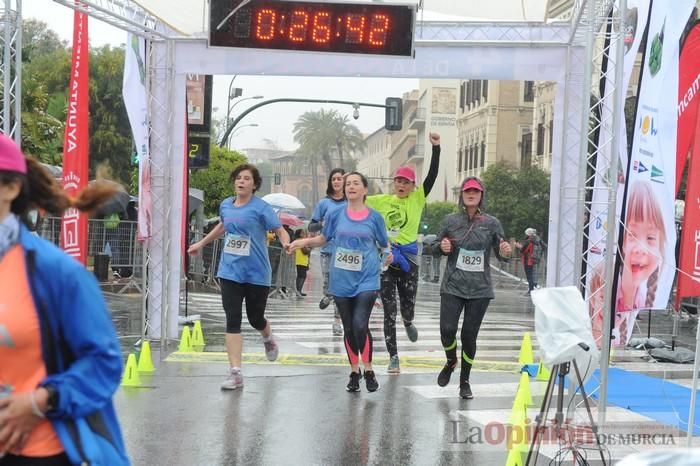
278	179
425	226
393	114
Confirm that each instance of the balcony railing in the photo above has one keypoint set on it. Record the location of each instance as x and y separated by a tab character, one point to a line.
416	119
417	151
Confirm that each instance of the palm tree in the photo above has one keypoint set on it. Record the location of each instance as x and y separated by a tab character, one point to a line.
321	132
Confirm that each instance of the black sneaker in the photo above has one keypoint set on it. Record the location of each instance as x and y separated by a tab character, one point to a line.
354	383
411	332
465	391
371	381
325	302
446	373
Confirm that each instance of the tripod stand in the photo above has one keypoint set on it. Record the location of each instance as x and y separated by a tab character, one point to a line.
560	371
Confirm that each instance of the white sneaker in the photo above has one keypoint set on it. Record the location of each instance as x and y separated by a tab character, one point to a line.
233	381
271	349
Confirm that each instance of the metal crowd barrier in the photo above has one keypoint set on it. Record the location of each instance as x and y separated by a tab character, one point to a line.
115	239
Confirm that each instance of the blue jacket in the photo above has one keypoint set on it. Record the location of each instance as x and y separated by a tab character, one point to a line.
81	353
399	252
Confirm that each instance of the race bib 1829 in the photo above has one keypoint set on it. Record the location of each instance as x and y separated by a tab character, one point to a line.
470	261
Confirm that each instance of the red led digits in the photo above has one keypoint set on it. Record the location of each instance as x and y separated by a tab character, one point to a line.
299	23
354	29
265	28
321	31
379	26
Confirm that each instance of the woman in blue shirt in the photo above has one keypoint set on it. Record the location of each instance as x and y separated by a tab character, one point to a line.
335	198
244	271
356	234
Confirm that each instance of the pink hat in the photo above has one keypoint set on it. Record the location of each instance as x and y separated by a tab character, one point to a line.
406	172
472	183
11	158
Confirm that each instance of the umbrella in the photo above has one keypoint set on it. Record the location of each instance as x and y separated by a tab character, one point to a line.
283	201
115	204
290	220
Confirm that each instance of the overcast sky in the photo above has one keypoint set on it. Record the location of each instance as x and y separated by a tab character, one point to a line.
275	122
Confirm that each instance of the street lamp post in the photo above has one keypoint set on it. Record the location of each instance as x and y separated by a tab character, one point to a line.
231	107
236	130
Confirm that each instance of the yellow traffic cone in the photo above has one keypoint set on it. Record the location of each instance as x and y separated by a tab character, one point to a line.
524	389
145	359
131	378
197	334
518	412
185	341
525	356
542	372
515	458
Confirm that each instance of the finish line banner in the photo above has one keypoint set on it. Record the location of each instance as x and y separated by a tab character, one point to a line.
76	146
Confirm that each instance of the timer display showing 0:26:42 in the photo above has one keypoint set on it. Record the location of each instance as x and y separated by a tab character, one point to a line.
316	26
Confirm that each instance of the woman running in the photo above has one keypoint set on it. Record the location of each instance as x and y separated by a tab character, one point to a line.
244	271
466	238
356	234
402	212
335	198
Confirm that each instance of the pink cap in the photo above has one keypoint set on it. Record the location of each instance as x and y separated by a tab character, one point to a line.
11	158
406	172
472	183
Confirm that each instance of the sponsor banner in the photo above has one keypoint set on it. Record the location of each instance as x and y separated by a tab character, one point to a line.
135	98
647	255
76	143
688	98
636	17
689	148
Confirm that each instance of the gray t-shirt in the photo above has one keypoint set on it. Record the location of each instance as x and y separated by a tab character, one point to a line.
468	273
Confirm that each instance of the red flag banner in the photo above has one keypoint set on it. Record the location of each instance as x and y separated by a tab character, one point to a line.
688	98
689	260
75	142
689	148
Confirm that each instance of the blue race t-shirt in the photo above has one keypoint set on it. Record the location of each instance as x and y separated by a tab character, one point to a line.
355	261
321	212
244	256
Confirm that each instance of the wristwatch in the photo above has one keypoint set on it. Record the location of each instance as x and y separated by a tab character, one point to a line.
52	399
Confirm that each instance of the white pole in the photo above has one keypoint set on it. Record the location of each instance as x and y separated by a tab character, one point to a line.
693	393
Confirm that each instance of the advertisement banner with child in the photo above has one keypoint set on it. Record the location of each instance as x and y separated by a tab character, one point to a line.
647	255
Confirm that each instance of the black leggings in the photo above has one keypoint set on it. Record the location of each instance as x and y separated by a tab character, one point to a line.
355	314
450	309
406	283
56	460
301	276
232	296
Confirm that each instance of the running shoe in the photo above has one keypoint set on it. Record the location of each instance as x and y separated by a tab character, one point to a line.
354	383
271	349
411	332
394	367
465	391
371	381
446	373
233	381
337	328
325	302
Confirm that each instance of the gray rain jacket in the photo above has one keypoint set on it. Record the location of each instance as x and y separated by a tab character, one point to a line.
481	233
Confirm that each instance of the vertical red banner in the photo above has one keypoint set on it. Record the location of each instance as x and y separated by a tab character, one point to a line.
75	143
689	148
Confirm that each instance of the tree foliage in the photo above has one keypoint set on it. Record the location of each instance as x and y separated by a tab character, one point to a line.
214	180
46	70
433	214
518	198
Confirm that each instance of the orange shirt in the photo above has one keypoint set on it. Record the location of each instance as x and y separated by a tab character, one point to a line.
22	365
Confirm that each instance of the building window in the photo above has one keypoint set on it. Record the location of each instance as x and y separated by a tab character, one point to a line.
540	139
529	91
551	132
462	95
483	154
461	155
526	149
485	90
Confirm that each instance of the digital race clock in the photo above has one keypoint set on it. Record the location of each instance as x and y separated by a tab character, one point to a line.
382	29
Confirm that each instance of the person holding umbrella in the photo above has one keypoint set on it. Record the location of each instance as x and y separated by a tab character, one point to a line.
244	271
